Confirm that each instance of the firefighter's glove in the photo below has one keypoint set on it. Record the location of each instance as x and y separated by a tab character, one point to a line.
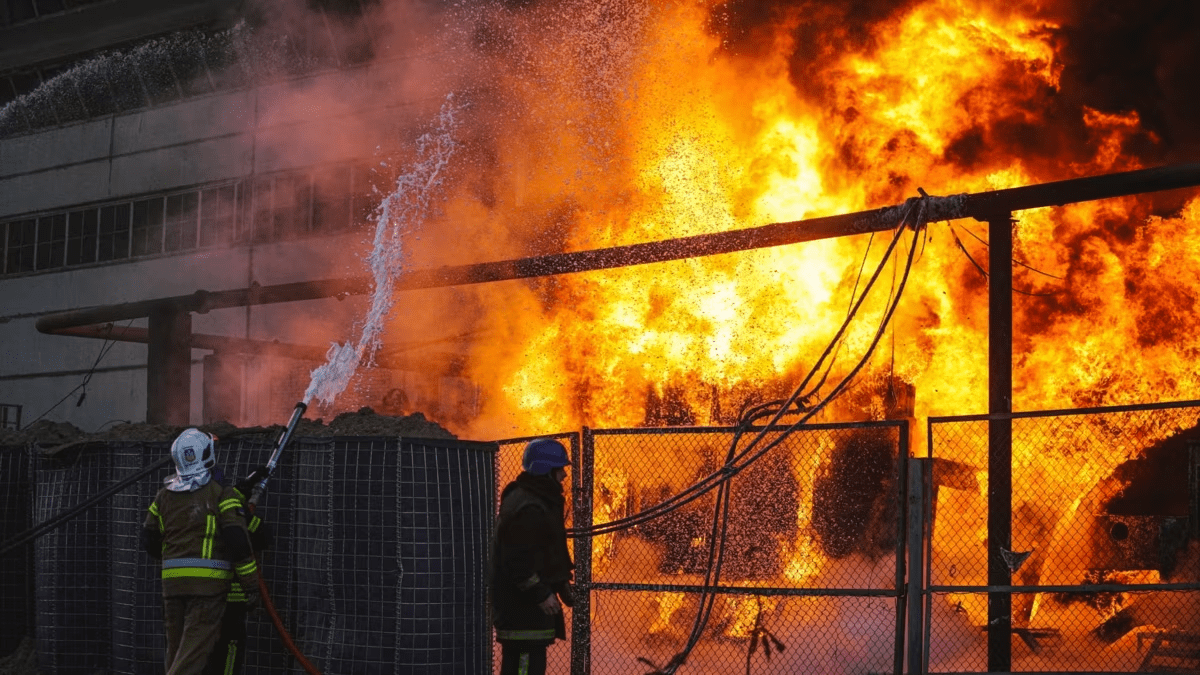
550	606
246	485
566	593
253	601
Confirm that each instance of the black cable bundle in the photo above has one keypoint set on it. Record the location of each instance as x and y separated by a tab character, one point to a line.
736	461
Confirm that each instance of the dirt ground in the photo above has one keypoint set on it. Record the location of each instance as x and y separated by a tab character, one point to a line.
52	436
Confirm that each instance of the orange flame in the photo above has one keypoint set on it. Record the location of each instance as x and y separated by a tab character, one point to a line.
677	133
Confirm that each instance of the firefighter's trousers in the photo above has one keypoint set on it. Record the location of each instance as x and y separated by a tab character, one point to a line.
193	624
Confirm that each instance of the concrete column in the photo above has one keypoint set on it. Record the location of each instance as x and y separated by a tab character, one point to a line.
169	368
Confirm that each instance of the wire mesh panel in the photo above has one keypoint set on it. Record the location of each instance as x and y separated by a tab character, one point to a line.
73	564
445	528
812	551
378	564
138	638
758	633
1104	554
16	583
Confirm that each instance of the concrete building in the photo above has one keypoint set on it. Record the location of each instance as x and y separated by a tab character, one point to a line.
147	151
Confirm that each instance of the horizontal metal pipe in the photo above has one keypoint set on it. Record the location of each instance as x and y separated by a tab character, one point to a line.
1081	588
981	206
1134	407
747	590
985	205
205	301
219	343
394	357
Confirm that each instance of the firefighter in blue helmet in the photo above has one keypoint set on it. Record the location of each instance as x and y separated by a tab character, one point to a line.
531	568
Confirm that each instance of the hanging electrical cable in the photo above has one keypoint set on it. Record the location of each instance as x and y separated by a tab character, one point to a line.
984	272
716	550
105	348
1015	260
913	216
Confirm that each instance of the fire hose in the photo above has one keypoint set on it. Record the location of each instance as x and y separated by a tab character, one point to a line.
252	505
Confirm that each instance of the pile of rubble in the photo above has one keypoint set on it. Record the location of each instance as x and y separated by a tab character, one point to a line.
53	436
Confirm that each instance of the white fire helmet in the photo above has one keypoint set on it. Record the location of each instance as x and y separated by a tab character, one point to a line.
195	456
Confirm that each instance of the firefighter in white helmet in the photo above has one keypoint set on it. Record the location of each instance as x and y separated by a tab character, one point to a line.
198	529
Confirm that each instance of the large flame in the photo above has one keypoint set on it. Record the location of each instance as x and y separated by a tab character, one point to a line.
626	123
698	140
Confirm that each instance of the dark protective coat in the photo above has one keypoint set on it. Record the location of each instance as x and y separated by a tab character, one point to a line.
530	560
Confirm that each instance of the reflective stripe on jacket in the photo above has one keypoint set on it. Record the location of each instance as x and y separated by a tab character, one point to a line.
192	526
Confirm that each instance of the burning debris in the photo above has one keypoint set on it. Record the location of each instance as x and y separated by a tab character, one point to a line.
762	516
854	505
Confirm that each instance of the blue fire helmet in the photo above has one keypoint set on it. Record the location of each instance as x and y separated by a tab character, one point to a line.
543	456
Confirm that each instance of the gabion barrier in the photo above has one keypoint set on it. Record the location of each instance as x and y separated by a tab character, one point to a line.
1104	562
813	570
379	563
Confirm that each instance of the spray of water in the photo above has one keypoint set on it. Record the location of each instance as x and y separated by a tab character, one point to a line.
401	214
158	70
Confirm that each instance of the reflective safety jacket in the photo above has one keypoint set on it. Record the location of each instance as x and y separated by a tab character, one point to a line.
202	539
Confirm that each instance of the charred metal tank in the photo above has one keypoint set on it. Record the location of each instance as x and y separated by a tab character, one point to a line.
1147	523
762	512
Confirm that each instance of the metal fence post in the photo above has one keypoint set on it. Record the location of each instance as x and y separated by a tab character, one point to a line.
999	520
919	475
1194	488
581	613
902	498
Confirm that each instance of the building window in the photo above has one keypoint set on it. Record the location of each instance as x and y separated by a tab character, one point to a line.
331	200
114	232
52	241
82	231
179	225
218	211
270	208
19	249
147	226
10	417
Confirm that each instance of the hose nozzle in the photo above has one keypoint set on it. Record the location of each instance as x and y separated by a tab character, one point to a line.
286	436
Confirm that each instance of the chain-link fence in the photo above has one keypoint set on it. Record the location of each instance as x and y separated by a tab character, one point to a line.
379	562
1103	570
382	547
812	575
